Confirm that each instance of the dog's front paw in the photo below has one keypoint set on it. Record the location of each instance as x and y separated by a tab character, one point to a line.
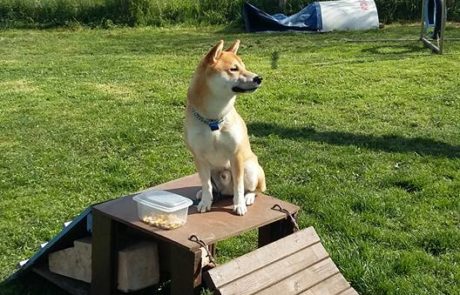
240	209
204	206
250	198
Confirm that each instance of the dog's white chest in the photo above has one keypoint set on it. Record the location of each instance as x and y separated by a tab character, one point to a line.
217	147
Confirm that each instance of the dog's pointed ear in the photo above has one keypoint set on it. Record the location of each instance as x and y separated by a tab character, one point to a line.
215	52
234	47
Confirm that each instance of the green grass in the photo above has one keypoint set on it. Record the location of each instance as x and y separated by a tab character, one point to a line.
364	136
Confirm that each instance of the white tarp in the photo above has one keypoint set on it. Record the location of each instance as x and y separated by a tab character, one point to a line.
345	15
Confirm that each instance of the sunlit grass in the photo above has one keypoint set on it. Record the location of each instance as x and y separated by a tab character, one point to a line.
364	136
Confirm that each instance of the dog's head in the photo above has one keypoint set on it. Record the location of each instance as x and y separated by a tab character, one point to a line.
226	71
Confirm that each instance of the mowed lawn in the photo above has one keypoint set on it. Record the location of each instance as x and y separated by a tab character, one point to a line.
362	133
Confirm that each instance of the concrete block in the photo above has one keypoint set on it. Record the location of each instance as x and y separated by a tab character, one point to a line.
71	262
83	246
138	266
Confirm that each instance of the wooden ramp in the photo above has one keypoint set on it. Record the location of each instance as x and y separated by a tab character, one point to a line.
296	264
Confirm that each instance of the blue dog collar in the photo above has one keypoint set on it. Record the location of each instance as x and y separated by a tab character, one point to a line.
212	123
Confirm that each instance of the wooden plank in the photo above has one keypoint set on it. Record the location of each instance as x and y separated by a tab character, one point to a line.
224	223
282	269
349	291
185	271
103	257
72	286
331	286
257	259
274	231
303	280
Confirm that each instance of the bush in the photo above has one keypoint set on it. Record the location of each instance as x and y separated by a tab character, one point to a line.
44	13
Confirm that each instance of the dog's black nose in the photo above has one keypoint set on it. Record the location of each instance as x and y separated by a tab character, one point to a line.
257	80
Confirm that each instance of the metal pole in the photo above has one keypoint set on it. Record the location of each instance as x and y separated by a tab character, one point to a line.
440	39
443	25
422	32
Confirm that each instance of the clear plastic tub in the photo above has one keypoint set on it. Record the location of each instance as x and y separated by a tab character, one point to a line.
162	209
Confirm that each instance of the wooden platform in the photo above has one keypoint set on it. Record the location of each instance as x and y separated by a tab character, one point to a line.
180	258
296	264
216	225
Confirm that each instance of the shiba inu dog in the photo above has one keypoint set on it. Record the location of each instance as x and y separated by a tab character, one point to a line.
217	135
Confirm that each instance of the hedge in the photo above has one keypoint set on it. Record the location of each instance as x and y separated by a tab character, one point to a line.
45	13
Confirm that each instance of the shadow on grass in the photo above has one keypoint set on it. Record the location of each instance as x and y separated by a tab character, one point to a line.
392	49
386	143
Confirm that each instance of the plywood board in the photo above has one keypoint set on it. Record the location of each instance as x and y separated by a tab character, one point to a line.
270	256
296	264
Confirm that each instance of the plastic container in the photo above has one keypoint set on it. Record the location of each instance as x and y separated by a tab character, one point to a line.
162	209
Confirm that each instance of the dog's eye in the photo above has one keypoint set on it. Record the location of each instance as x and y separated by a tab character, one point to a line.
234	69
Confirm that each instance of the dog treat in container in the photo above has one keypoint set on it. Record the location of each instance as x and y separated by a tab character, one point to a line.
162	209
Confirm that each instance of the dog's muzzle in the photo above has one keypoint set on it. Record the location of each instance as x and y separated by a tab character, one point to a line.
251	86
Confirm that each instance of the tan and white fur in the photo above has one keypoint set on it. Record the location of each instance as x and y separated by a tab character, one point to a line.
224	155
